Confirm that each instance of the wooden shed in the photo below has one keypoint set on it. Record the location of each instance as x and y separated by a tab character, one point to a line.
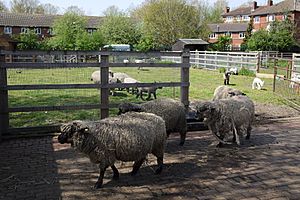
191	44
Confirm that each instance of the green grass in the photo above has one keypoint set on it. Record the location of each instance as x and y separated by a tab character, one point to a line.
203	82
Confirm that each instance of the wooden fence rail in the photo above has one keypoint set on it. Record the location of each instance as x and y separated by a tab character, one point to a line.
102	61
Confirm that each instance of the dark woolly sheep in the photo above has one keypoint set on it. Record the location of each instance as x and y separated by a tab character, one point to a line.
172	111
128	137
149	90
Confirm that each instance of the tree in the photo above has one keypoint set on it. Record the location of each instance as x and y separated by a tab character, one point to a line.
165	21
47	9
89	41
67	30
223	43
24	6
2	6
248	35
118	28
280	37
28	41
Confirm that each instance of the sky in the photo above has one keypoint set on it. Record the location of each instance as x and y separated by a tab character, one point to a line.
96	7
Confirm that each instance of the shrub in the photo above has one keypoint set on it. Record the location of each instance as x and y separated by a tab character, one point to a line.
246	72
222	69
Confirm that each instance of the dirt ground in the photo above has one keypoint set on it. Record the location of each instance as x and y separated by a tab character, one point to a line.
265	112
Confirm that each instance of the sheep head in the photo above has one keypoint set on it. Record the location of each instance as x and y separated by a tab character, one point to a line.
205	109
127	107
73	131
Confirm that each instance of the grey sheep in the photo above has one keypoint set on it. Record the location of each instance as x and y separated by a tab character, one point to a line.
224	117
172	111
224	92
128	137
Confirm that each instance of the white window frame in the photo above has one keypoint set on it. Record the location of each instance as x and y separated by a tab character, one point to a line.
256	19
38	31
239	18
271	18
90	31
213	36
228	34
229	18
50	31
245	18
241	34
284	17
24	30
7	30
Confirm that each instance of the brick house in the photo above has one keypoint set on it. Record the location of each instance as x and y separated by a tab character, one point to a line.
16	23
235	22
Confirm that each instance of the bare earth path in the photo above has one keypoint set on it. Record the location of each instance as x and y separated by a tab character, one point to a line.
266	167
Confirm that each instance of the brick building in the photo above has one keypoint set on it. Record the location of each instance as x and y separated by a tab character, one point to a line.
235	22
16	23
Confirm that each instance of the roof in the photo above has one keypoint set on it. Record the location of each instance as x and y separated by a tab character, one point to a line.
238	11
37	20
193	41
228	27
281	7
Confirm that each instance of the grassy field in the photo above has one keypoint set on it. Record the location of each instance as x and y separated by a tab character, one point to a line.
203	82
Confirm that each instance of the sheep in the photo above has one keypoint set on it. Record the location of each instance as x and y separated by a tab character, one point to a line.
257	83
224	116
131	80
172	111
224	92
96	78
120	75
226	77
150	90
128	137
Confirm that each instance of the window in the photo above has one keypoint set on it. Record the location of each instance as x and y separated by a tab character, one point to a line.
212	36
228	34
256	19
38	31
238	18
271	18
91	31
242	35
24	30
50	31
7	30
246	18
229	19
284	17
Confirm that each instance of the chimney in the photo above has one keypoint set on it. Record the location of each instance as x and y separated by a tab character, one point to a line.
227	9
254	5
270	3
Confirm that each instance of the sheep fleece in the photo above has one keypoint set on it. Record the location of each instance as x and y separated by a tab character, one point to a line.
224	92
128	137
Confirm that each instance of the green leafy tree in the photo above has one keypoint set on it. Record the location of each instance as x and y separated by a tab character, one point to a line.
47	8
248	34
280	37
165	21
67	30
223	44
88	41
118	28
28	41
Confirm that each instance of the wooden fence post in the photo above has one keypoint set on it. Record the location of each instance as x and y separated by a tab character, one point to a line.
274	80
4	116
104	91
258	63
185	78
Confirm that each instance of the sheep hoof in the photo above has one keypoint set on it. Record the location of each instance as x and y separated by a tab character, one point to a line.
158	170
98	185
220	145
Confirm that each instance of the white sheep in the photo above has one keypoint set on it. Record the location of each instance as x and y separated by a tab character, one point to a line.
228	117
151	90
172	111
257	83
127	137
295	81
131	80
224	92
96	78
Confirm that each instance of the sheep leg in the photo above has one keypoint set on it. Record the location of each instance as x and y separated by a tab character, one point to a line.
116	172
136	166
182	138
160	163
154	94
248	133
149	96
100	179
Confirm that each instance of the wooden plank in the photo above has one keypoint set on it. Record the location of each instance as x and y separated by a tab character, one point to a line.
90	86
47	65
4	115
170	65
141	54
104	92
38	52
185	78
30	131
54	108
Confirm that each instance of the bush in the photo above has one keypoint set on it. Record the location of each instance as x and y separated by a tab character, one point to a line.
222	69
246	72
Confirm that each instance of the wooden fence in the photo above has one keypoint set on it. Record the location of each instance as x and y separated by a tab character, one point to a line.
100	60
